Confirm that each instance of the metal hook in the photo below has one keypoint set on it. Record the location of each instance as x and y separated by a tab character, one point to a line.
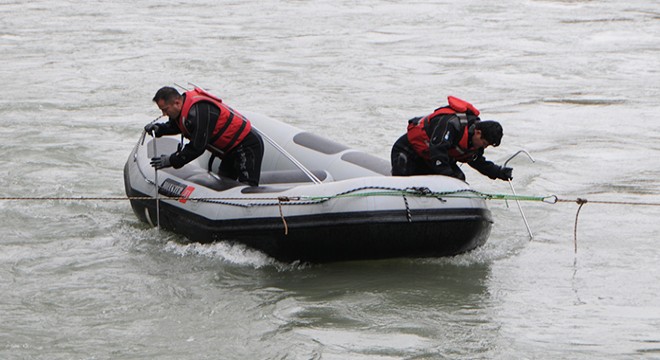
516	154
531	236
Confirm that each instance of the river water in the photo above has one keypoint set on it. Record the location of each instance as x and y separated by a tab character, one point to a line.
575	83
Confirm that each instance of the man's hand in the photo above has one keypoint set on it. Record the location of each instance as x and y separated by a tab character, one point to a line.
161	162
506	173
151	127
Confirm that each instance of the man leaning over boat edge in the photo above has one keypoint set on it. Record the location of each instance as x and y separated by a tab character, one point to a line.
434	143
209	124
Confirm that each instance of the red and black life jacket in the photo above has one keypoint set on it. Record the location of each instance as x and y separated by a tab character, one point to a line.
230	128
419	132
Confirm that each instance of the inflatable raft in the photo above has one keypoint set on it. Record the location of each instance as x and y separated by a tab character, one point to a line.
318	201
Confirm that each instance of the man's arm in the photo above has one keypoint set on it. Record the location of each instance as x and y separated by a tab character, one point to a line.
489	168
200	123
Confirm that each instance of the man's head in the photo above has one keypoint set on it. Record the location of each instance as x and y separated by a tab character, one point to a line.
169	101
487	133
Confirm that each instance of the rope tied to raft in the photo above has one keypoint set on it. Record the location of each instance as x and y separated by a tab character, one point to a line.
282	201
279	201
408	215
580	202
299	200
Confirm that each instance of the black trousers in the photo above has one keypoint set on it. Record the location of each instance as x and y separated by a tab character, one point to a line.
243	163
406	161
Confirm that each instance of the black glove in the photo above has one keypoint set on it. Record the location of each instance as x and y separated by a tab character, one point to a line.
161	162
506	173
151	127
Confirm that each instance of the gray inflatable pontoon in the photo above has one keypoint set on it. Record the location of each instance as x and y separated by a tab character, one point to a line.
318	201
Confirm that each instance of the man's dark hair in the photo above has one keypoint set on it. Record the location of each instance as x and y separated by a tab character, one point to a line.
491	131
166	93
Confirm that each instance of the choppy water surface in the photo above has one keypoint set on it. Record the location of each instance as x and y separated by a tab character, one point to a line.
575	83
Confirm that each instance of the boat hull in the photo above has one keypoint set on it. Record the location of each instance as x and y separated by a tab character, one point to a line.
346	236
356	212
330	237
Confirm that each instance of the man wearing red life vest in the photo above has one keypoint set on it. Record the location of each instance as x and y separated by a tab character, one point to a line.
454	133
211	125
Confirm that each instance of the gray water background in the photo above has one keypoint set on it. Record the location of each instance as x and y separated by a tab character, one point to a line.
575	83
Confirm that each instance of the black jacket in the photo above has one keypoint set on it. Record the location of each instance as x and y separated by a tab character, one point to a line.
200	123
446	132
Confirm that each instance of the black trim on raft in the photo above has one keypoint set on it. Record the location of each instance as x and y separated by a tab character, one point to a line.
324	238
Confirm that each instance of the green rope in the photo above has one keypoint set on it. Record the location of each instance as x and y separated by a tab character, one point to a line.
352	193
468	194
